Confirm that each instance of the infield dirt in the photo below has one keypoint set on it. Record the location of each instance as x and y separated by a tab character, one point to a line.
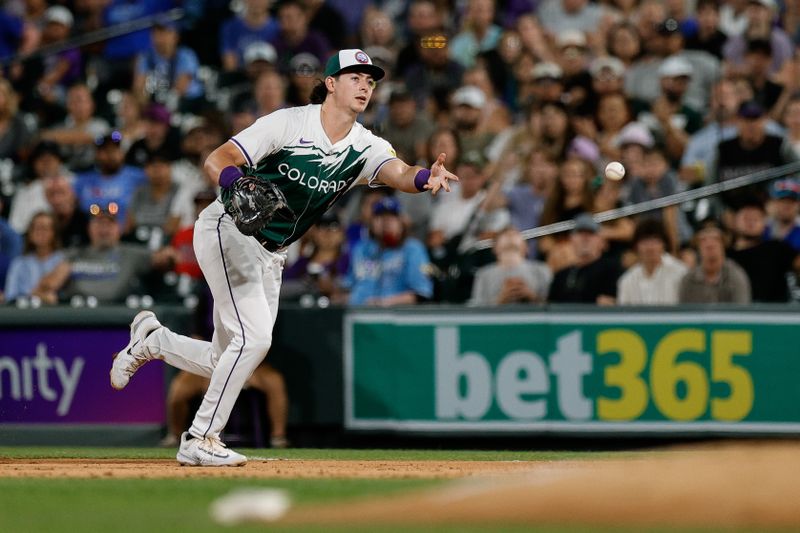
753	485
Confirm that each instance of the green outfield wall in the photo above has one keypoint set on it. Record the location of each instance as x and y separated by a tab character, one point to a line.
693	371
436	370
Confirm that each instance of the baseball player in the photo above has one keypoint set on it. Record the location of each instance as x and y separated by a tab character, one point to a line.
277	177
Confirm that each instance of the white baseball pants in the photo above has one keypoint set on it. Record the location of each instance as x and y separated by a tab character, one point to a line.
245	281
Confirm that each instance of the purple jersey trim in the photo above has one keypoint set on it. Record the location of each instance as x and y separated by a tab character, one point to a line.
244	152
381	166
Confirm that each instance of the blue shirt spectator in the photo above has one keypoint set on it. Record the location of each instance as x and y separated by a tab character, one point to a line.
41	256
388	268
118	11
10	247
111	182
11	29
166	69
239	32
26	271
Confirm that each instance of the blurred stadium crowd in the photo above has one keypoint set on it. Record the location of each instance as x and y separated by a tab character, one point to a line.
103	135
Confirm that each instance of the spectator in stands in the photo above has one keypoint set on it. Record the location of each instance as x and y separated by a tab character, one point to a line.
573	57
512	278
388	268
757	61
359	226
613	114
407	129
71	222
525	200
159	137
709	37
434	74
767	263
699	155
556	130
571	196
378	31
466	214
655	278
44	162
423	17
105	269
111	181
468	103
607	77
624	43
40	255
187	172
16	36
15	134
478	32
547	83
259	57
149	219
791	119
61	69
657	180
496	116
752	150
669	116
186	386
10	247
269	93
633	142
120	51
716	279
760	16
706	68
784	209
304	70
321	269
76	135
129	120
592	278
167	72
295	37
253	25
559	16
327	20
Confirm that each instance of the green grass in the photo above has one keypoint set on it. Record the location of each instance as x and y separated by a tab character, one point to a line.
341	455
178	505
29	505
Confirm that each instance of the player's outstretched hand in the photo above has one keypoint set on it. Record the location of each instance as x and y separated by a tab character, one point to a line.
440	176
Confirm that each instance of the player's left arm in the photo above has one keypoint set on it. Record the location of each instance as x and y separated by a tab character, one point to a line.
407	178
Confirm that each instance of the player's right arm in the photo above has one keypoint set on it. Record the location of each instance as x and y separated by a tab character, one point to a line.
226	155
246	148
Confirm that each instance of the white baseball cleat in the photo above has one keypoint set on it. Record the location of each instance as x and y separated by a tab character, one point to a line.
207	452
128	360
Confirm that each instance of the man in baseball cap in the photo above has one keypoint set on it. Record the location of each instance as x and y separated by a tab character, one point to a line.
352	60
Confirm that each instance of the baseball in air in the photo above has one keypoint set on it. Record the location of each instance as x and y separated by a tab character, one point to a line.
615	171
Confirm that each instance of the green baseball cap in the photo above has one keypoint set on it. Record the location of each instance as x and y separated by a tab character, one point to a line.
353	59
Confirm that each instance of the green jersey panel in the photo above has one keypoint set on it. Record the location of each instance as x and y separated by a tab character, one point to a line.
311	180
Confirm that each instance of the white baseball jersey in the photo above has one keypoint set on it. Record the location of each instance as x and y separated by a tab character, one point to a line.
290	148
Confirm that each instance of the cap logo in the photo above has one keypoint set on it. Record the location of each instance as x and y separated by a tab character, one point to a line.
361	57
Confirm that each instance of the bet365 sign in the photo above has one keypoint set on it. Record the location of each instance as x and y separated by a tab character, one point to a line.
587	372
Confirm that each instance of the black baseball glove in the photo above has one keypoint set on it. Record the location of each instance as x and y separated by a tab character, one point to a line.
253	203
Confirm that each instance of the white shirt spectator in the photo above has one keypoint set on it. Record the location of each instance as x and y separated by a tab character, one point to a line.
661	288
